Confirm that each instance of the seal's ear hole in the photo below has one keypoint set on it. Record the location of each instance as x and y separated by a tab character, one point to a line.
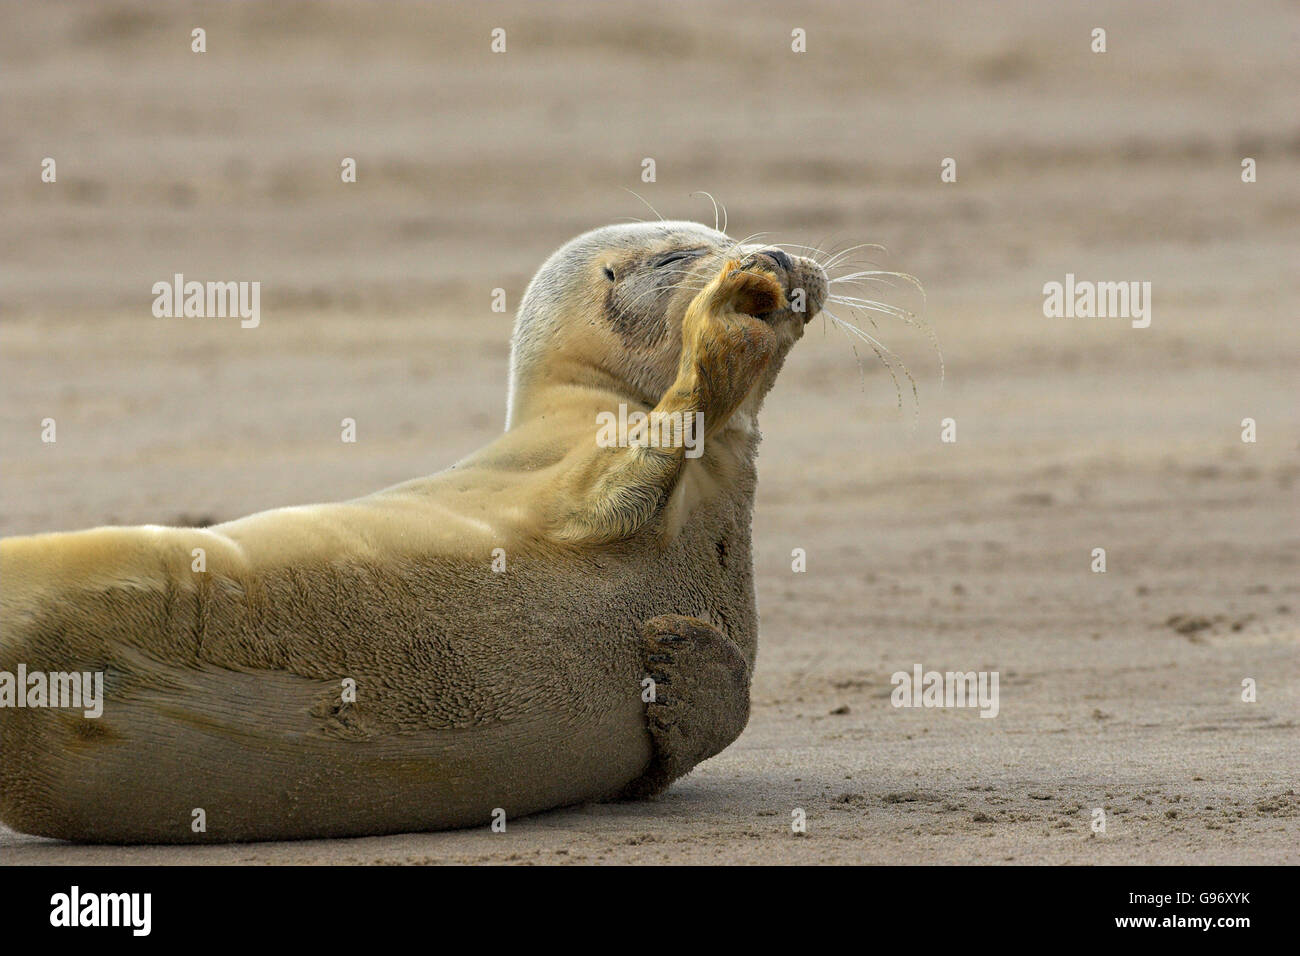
609	273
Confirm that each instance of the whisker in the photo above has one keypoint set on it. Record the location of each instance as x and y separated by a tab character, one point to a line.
872	305
862	372
861	283
841	256
654	291
701	192
683	284
740	242
881	352
795	245
746	272
909	318
909	279
643	199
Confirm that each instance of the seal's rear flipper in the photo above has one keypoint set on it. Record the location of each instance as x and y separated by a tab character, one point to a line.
701	697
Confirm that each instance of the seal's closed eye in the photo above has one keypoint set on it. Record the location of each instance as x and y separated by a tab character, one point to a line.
679	256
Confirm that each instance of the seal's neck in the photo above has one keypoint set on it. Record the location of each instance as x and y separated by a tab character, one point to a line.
727	469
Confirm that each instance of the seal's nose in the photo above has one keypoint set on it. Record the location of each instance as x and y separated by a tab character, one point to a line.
779	257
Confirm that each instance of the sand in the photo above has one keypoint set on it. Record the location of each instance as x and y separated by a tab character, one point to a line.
1119	691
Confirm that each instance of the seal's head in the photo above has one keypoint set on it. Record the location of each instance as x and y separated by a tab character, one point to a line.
606	309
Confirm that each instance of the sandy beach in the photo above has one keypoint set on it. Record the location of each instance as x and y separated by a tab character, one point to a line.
1119	691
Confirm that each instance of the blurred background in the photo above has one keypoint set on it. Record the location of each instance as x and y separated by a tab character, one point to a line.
473	166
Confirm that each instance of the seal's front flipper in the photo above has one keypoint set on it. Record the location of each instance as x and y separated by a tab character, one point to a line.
701	696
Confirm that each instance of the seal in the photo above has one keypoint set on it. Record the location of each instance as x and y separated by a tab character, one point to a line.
567	615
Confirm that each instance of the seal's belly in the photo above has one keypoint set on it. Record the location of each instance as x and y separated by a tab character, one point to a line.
337	699
253	766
